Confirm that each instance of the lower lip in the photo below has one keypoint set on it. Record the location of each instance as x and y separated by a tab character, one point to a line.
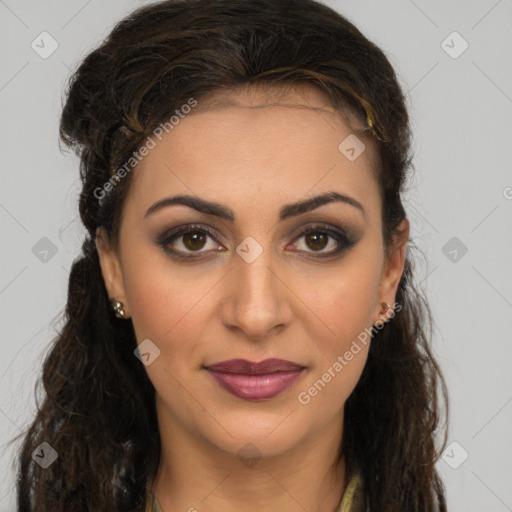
256	387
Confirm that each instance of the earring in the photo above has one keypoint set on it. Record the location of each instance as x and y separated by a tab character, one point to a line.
385	307
117	307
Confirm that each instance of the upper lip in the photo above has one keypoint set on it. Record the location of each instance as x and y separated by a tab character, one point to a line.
245	367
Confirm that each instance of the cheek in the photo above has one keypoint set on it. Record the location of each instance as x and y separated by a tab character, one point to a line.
170	306
340	356
338	301
343	299
352	303
167	309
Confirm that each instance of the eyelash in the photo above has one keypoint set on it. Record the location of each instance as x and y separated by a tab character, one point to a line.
339	236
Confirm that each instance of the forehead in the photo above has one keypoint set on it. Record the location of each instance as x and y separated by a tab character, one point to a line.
236	143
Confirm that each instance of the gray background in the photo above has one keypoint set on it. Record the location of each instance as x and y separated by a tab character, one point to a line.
459	200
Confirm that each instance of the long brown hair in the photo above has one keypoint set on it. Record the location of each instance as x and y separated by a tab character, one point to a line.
98	411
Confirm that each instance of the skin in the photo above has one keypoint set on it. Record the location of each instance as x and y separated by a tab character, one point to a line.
253	150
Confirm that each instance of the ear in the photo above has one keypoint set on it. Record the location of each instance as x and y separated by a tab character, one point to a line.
392	271
111	269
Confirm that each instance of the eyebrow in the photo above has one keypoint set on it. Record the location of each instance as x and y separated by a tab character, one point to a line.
287	211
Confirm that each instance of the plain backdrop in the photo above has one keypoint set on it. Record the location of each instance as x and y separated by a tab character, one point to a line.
453	59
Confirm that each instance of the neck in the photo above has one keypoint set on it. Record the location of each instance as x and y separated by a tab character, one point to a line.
195	476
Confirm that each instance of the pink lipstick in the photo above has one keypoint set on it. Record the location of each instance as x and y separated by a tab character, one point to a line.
255	381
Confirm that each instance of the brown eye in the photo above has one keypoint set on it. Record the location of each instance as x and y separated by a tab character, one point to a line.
184	241
317	240
324	240
194	240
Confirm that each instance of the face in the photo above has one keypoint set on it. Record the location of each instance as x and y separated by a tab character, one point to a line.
257	270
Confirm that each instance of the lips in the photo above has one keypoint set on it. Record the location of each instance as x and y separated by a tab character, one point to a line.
249	368
255	381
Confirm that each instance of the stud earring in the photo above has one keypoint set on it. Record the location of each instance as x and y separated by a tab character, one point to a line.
117	307
385	307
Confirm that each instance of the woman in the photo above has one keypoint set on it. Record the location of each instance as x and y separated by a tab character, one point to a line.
242	328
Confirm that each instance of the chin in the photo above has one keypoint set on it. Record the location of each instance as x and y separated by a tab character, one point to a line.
255	439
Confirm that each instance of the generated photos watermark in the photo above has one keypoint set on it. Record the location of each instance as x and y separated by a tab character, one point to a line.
150	143
305	397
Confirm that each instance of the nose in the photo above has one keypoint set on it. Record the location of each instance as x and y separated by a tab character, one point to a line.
256	301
